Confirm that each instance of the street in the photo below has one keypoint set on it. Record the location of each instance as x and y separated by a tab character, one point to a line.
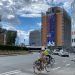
22	65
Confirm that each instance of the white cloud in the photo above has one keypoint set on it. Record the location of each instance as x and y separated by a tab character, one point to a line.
67	4
10	16
30	8
33	10
8	26
30	15
39	24
1	4
23	36
26	8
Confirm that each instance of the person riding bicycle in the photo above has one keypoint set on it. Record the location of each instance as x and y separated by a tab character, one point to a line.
42	58
42	61
46	52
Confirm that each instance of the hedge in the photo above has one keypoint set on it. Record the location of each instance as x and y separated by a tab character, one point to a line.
8	47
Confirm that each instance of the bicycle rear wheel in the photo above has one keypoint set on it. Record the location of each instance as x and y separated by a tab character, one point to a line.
36	67
52	62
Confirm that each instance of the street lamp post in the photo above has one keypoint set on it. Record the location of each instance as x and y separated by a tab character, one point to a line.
5	38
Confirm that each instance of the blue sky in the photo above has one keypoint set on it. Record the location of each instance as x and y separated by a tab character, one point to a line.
29	23
24	16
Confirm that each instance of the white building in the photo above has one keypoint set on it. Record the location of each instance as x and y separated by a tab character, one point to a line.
73	22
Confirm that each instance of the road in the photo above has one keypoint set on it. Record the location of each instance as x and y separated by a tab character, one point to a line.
22	65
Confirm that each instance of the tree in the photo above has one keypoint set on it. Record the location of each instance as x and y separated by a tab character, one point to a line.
11	37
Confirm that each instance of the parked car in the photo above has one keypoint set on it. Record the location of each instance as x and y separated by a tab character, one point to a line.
56	52
64	54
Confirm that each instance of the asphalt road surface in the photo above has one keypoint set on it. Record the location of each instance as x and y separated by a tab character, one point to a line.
22	65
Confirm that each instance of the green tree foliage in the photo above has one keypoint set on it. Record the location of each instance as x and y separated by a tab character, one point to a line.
10	37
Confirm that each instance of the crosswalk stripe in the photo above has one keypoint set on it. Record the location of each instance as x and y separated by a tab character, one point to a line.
63	70
64	61
67	64
11	72
56	68
55	63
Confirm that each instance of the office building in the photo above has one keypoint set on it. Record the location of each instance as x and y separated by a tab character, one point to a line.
35	38
7	37
2	36
56	28
11	37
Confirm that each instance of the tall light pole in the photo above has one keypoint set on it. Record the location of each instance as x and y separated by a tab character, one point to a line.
73	22
5	37
0	21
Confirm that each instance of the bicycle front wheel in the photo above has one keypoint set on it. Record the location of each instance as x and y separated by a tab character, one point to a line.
47	68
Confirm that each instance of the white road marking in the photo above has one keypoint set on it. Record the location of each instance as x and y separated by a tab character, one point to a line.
11	72
64	61
56	68
63	70
68	64
55	63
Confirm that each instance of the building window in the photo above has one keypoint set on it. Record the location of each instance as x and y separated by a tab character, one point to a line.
74	32
72	40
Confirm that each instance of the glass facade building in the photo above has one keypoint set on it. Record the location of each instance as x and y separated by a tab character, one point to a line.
56	28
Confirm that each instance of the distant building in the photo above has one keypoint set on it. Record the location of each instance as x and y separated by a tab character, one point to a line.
35	38
7	37
56	28
73	23
11	37
0	18
2	36
2	33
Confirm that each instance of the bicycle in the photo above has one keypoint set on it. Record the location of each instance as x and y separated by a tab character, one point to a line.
37	66
50	61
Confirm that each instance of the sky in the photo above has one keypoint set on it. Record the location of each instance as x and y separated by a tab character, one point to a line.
24	16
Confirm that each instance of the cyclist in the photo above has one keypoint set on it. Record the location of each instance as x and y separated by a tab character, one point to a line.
42	58
47	53
43	61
